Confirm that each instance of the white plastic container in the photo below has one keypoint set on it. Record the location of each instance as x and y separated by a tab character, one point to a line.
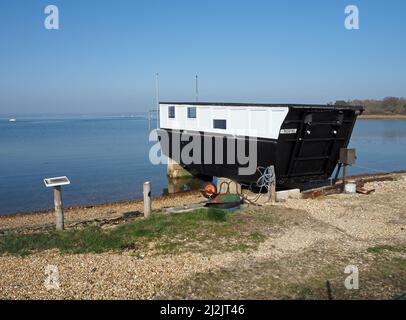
350	186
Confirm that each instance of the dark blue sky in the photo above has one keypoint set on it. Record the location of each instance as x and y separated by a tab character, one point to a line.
104	57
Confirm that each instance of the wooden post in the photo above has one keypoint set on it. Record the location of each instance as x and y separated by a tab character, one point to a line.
59	219
147	199
272	187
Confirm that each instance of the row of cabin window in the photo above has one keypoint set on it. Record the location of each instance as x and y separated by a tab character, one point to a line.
191	114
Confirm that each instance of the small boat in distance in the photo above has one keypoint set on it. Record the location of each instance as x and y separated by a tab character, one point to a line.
12	120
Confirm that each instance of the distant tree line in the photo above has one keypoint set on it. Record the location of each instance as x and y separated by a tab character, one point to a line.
388	106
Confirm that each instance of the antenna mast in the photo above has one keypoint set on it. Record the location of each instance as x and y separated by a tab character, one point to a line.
197	88
157	98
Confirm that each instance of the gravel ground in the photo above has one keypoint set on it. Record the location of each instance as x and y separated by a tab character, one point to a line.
371	217
331	227
91	276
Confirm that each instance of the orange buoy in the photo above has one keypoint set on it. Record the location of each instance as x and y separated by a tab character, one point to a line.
209	190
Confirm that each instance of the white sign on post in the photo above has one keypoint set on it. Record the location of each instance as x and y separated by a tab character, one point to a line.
57	181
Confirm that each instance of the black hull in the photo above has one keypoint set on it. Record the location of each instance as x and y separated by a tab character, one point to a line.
307	156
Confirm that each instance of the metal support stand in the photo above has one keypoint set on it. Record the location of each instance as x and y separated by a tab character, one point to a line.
337	173
347	158
345	169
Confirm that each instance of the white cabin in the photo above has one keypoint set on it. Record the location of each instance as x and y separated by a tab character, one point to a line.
254	120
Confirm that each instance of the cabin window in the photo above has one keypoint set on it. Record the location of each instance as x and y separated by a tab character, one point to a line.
191	112
171	112
219	124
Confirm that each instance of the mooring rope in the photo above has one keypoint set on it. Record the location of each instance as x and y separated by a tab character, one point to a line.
264	181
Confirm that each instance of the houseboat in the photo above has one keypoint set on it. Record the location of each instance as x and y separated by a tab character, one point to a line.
301	141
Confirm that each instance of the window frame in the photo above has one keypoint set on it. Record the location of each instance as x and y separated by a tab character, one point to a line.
170	114
195	112
220	127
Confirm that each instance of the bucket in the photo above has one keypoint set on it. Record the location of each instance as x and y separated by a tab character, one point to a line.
350	186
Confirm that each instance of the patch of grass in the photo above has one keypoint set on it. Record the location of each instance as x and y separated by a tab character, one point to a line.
90	239
171	233
170	247
244	247
305	292
392	267
400	262
383	279
383	248
257	236
303	276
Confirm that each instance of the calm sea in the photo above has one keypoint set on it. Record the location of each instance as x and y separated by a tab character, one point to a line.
107	160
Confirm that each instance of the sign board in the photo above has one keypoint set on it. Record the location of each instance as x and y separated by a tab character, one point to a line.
57	181
288	131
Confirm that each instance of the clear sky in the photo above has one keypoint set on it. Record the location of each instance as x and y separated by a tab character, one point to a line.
105	54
